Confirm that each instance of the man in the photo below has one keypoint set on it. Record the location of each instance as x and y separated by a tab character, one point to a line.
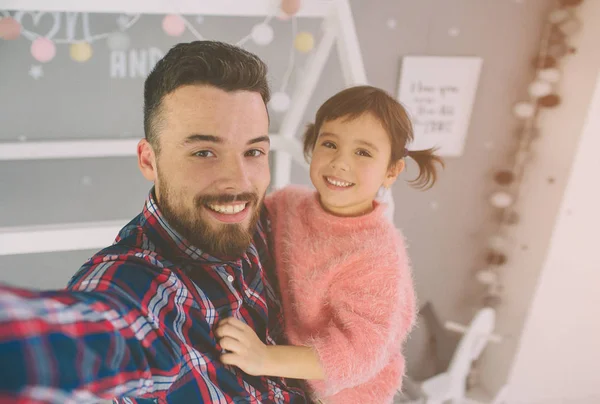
137	321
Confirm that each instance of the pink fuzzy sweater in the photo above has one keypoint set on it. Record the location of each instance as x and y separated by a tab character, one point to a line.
346	291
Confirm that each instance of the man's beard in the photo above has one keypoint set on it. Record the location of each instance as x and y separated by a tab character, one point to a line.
224	240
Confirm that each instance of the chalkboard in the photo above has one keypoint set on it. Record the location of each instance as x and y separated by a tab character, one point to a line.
101	96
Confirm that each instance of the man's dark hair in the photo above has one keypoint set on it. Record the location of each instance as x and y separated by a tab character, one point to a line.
218	64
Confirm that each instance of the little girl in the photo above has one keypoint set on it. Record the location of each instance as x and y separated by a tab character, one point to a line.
343	272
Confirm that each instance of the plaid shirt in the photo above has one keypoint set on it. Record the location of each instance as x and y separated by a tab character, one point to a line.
137	322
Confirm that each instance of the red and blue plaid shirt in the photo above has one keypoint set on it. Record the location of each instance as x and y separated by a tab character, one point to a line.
136	324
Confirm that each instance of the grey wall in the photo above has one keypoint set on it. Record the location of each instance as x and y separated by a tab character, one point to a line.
443	225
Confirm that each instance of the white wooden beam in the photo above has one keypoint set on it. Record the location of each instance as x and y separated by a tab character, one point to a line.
300	99
75	149
68	149
348	46
63	237
230	8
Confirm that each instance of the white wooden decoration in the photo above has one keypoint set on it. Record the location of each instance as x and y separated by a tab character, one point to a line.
438	93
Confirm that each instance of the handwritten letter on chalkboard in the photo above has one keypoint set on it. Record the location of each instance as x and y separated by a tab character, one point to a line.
438	93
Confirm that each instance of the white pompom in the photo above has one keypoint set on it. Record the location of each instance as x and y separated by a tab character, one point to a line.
280	102
540	88
501	200
551	75
524	110
486	277
262	34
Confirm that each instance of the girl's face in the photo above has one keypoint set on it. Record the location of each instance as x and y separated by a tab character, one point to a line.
350	162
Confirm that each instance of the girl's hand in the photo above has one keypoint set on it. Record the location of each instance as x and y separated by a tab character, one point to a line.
246	350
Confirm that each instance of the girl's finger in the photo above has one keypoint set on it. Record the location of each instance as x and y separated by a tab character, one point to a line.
235	323
231	359
228	330
231	345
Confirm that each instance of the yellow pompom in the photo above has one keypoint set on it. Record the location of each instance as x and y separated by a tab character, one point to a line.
304	42
81	51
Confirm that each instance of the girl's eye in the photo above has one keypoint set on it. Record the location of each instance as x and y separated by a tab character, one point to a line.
329	144
363	153
204	153
254	153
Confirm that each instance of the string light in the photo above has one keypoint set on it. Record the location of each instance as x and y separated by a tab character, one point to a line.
541	95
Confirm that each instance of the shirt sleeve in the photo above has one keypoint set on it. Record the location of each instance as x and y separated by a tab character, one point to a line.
373	310
112	333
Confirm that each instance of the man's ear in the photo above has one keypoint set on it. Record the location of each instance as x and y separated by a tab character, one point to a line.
147	160
393	172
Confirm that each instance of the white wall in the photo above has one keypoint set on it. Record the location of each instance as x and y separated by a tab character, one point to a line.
558	360
551	265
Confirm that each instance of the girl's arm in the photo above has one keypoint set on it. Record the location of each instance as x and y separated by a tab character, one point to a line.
373	309
250	354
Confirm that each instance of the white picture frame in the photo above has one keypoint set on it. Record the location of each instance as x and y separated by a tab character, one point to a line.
438	93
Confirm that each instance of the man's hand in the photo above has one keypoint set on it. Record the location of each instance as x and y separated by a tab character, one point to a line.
246	350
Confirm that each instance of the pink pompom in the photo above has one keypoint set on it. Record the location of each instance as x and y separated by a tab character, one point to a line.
290	7
9	28
173	25
43	49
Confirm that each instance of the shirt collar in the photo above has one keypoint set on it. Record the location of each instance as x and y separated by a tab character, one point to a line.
157	223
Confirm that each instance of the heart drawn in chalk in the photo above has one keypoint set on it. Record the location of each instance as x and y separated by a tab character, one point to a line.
36	17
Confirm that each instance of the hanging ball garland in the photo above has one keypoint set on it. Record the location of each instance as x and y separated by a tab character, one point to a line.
544	62
551	75
524	110
118	41
280	102
496	258
570	26
497	243
512	218
570	3
559	15
173	25
504	177
486	277
262	34
549	101
556	36
43	49
501	199
304	42
540	88
81	51
492	301
9	28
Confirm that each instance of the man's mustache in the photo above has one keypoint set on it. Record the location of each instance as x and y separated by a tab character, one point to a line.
226	198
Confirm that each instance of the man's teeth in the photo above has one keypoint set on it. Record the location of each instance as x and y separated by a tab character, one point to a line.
228	209
339	183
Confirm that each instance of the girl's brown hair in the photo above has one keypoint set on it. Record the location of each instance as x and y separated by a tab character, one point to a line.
356	101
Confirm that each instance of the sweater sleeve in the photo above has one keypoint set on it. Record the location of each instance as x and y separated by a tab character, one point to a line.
373	310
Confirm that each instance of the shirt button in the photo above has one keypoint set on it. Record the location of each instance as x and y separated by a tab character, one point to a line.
230	278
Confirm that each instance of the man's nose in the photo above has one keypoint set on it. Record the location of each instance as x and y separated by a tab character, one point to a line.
234	175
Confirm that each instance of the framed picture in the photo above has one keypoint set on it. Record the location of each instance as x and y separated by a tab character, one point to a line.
438	93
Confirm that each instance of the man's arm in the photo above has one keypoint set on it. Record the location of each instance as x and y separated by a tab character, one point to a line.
107	337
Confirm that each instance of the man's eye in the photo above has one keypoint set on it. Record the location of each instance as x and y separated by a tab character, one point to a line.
254	153
204	153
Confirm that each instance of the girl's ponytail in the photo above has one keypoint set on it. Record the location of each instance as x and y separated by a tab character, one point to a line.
426	160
